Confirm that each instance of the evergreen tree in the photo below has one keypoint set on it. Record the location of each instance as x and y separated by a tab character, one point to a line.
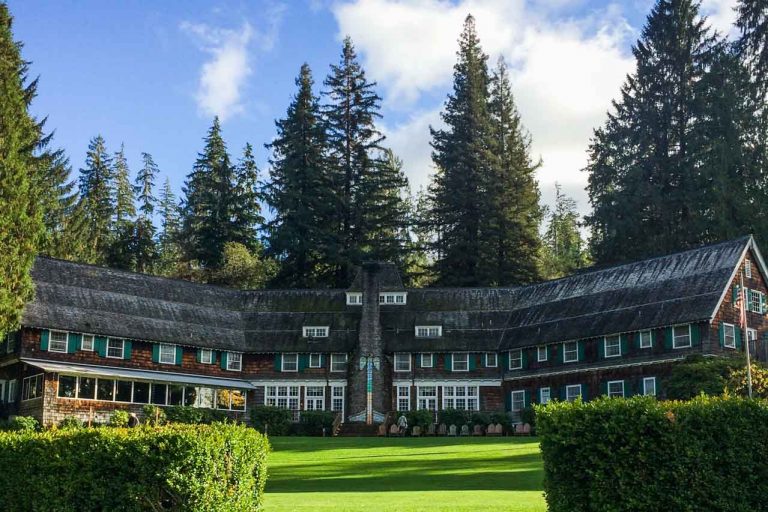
21	221
209	203
643	173
145	184
145	247
125	206
752	21
464	158
248	216
168	247
97	189
301	235
563	246
509	226
371	211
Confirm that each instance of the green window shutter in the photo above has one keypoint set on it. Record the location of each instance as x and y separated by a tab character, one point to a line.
738	337
654	338
604	388
303	362
448	365
695	334
735	294
584	394
524	356
601	348
721	334
128	349
472	362
563	393
214	357
551	353
762	304
624	344
508	401
74	341
198	357
278	362
224	360
100	345
155	352
668	338
179	354
527	399
322	361
44	334
581	344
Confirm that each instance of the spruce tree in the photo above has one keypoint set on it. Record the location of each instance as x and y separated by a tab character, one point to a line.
21	221
463	155
145	247
509	243
60	202
248	218
97	189
121	252
643	172
168	243
300	192
563	248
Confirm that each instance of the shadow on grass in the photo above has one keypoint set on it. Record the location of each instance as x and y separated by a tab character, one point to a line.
315	444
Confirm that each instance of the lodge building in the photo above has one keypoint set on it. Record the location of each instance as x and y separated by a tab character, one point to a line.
96	339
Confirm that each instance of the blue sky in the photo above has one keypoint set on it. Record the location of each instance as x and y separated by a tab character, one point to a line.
151	75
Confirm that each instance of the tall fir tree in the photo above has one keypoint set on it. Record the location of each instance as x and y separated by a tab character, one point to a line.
169	252
98	195
209	202
300	192
643	175
121	252
463	155
145	247
247	204
371	205
21	220
509	225
563	248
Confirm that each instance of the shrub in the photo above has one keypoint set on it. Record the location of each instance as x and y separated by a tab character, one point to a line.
154	415
20	424
453	417
480	418
216	468
528	415
275	421
313	422
421	418
184	414
697	374
641	454
119	418
70	423
501	418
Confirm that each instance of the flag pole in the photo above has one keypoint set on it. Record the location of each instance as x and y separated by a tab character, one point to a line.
746	335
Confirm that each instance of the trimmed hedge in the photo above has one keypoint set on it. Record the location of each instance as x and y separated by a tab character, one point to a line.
313	422
213	468
642	454
274	421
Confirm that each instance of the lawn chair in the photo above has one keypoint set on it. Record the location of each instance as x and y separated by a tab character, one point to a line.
526	429
416	431
394	430
442	430
452	431
477	430
465	430
382	430
491	430
431	429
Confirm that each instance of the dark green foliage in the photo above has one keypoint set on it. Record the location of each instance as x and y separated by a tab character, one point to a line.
641	454
501	418
697	375
243	268
528	415
194	415
21	216
119	418
314	423
125	207
71	423
421	418
98	196
169	252
247	206
302	235
480	418
218	468
274	421
20	424
563	250
456	417
154	415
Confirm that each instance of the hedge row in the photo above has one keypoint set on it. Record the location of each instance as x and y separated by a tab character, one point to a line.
200	468
642	454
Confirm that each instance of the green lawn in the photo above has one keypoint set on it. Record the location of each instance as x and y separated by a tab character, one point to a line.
411	474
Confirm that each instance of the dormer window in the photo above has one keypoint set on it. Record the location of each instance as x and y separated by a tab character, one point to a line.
429	331
315	331
392	298
354	298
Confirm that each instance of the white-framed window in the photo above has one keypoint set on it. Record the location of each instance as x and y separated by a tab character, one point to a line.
459	362
426	398
427	360
390	298
646	339
354	298
570	351
315	360
515	359
465	398
729	335
541	353
491	360
402	362
517	403
286	397
649	386
87	343
572	392
115	348
167	353
337	399
234	361
615	388
206	356
756	301
289	362
751	338
338	362
57	341
545	395
32	387
315	331
314	398
13	390
747	268
429	331
612	346
403	398
681	336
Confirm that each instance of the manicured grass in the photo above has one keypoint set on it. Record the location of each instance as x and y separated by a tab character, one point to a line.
411	474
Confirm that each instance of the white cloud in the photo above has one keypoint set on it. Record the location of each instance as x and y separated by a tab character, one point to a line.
564	73
721	14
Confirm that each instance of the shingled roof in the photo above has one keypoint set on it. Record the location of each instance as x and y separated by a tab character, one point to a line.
679	288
